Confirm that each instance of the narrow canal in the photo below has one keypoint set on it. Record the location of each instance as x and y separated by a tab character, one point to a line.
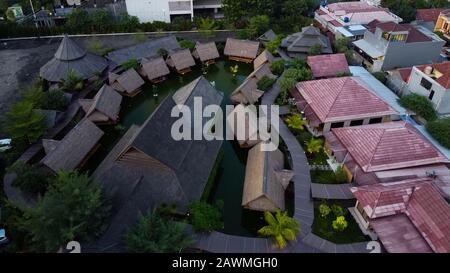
230	178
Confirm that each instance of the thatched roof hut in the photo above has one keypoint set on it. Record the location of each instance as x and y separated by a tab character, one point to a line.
147	49
248	92
299	44
74	149
148	167
206	53
265	180
245	118
241	50
155	70
264	57
104	108
181	60
128	83
71	57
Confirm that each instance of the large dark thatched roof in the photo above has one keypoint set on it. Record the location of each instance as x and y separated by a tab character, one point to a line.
148	167
301	42
70	56
146	49
68	153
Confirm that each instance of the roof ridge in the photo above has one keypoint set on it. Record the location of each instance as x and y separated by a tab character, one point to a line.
376	147
337	95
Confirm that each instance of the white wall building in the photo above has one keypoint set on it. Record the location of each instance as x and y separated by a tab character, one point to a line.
433	82
165	10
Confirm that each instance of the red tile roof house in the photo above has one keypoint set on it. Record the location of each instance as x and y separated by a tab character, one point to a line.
428	17
339	102
335	15
329	65
408	216
429	80
386	152
388	45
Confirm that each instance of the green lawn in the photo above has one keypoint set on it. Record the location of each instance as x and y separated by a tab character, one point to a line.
322	227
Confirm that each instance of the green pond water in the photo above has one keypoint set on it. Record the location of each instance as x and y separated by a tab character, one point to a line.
230	178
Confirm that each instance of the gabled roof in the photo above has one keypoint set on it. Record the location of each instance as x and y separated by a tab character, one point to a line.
388	146
414	35
303	41
247	92
443	68
428	15
147	49
70	56
344	98
68	153
106	102
154	68
129	81
267	36
328	65
241	48
408	216
263	189
206	51
180	59
264	57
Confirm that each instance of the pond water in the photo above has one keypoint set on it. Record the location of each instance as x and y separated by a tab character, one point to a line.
230	178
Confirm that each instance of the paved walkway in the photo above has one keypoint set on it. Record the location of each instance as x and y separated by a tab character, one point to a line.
331	191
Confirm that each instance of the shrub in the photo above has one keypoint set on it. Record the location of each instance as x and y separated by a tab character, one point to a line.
381	76
207	27
205	217
265	83
338	210
296	122
187	44
298	63
29	178
343	74
181	24
132	63
420	105
315	50
54	100
340	224
273	45
162	52
277	66
341	175
324	210
440	130
73	82
341	45
258	25
156	233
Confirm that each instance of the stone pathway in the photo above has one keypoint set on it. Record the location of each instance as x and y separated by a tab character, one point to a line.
331	191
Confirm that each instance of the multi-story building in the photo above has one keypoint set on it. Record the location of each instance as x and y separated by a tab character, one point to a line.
167	10
389	45
342	14
443	23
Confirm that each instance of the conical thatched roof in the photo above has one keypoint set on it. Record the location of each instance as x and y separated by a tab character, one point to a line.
71	56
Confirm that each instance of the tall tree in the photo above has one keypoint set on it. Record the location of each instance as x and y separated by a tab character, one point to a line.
73	208
281	227
24	123
155	233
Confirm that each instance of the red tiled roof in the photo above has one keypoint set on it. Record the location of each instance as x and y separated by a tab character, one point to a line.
387	204
344	98
443	68
335	23
405	73
414	35
428	15
351	7
328	65
388	146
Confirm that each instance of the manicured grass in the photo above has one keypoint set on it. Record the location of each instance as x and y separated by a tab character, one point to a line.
322	227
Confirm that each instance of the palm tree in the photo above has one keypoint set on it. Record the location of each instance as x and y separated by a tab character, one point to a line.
296	122
314	145
281	227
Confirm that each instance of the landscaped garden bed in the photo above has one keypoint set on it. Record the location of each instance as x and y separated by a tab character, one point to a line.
342	232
